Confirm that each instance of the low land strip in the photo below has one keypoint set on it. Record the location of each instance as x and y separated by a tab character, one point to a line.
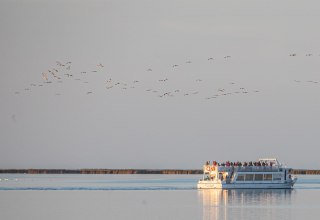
100	171
127	171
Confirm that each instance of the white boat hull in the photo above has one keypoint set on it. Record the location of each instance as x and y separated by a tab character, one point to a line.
223	185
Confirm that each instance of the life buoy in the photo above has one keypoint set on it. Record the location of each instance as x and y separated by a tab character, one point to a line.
212	168
207	168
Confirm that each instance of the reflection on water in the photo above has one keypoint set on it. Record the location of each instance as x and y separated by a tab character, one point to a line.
246	203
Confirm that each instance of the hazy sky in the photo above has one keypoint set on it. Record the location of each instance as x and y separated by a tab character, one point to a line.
266	103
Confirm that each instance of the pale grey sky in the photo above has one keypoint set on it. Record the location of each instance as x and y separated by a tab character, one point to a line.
64	125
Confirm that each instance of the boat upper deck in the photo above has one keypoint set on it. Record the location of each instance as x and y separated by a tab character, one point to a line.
263	165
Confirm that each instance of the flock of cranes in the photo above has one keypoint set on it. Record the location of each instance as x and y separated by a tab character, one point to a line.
64	71
307	55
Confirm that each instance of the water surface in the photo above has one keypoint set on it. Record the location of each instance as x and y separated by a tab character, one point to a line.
149	197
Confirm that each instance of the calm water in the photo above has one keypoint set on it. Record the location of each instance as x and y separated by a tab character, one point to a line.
148	197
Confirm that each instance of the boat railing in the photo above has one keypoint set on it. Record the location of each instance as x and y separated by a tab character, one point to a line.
249	169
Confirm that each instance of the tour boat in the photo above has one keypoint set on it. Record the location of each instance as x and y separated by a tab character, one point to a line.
263	174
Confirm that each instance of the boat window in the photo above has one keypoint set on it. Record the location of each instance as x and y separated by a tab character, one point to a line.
240	177
258	177
249	177
267	177
277	176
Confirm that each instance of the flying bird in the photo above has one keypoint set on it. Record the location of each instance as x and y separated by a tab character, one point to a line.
59	63
45	76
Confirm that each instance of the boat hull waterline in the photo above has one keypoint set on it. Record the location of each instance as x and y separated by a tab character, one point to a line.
207	185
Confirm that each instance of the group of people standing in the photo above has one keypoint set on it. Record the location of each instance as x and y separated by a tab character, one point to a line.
240	164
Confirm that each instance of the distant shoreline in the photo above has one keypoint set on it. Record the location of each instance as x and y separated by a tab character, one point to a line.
125	171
